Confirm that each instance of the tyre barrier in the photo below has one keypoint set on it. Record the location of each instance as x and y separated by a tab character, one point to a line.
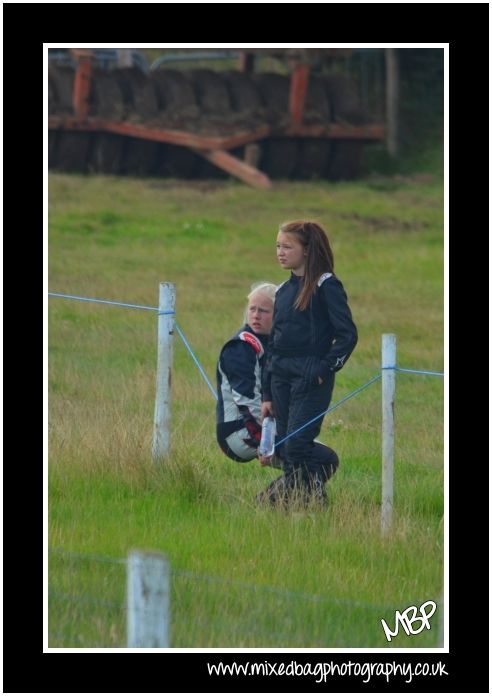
209	103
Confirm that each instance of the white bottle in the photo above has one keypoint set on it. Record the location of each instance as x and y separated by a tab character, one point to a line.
268	432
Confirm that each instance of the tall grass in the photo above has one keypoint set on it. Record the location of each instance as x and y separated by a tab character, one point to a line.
242	576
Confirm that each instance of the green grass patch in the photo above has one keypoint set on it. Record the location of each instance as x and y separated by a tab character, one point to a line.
241	576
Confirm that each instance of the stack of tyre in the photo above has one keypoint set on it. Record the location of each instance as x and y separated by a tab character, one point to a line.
205	102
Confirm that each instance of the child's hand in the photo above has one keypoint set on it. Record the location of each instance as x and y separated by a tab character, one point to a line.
267	409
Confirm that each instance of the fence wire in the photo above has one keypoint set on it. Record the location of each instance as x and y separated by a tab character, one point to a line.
87	609
208	382
87	594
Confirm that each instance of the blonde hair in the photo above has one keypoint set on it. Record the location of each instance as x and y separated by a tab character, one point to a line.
267	289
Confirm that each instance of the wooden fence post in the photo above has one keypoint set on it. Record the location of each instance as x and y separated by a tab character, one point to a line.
162	413
388	435
147	600
392	98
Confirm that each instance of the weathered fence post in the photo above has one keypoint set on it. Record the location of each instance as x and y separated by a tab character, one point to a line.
388	403
162	413
147	600
392	100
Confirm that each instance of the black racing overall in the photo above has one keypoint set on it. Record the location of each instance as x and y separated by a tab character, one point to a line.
306	348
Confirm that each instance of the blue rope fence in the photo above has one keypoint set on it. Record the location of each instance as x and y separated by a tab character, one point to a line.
332	408
109	302
207	381
354	393
416	372
196	361
159	313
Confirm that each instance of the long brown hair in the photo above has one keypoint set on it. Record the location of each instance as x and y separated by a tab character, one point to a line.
319	257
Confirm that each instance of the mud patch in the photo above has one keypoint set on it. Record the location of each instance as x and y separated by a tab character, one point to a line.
390	224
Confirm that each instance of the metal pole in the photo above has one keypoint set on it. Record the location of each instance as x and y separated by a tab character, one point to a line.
392	101
162	414
82	84
388	435
147	600
299	82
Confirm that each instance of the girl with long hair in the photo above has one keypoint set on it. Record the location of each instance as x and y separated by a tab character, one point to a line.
312	337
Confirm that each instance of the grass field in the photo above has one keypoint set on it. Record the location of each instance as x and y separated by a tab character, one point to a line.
241	576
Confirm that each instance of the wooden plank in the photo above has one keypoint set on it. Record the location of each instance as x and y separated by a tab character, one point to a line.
334	131
236	167
163	135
